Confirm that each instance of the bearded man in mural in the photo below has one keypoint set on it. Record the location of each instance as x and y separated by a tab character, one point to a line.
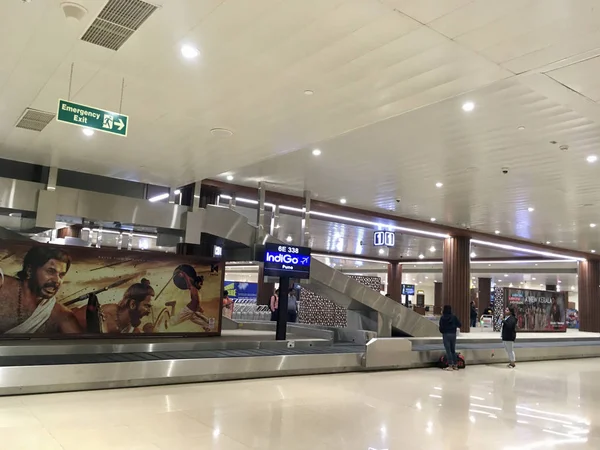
126	316
28	301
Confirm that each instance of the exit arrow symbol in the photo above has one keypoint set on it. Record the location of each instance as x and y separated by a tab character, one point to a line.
120	124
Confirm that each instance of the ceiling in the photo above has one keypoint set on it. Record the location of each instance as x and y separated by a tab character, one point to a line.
341	238
388	77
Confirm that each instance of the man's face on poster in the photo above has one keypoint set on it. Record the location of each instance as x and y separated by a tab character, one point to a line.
139	311
46	280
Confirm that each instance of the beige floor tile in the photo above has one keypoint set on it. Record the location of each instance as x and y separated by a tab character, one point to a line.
537	406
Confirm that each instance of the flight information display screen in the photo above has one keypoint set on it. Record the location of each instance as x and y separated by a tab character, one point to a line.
286	261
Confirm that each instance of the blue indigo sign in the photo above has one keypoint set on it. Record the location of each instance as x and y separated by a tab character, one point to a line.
287	261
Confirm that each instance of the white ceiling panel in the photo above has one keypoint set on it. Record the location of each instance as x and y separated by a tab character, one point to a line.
426	11
405	156
581	77
388	76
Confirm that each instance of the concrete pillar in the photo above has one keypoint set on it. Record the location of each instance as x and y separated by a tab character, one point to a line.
305	237
485	293
589	295
456	278
438	298
265	290
260	213
394	282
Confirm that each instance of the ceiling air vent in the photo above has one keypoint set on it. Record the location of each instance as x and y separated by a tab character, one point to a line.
35	120
117	21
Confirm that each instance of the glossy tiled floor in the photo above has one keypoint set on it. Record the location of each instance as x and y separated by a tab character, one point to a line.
536	406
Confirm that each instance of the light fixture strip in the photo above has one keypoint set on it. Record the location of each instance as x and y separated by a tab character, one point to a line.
525	250
351	258
410	230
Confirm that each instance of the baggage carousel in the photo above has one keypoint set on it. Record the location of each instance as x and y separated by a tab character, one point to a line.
28	367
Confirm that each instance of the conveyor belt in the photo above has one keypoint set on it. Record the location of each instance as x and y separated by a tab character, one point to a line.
46	360
498	344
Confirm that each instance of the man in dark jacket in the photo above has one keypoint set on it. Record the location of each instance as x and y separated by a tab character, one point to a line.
473	315
449	323
509	334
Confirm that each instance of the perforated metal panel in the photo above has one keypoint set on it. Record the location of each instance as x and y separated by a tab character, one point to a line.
35	120
117	21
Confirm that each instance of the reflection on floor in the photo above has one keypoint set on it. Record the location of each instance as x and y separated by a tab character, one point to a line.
535	406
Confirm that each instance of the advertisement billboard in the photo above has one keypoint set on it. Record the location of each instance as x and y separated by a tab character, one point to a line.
408	289
52	291
241	290
537	310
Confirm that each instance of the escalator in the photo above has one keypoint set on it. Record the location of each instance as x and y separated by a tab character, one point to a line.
364	305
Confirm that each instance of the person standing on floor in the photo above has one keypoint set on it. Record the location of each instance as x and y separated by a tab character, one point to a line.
449	323
274	306
292	311
509	334
473	315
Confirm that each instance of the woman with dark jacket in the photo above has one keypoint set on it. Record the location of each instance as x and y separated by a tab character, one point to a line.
449	323
509	334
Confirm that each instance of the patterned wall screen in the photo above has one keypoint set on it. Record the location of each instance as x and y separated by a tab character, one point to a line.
317	310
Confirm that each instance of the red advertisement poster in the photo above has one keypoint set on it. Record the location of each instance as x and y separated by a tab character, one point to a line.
54	291
538	310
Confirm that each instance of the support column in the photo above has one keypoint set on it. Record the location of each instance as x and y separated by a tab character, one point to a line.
260	214
394	282
305	237
438	298
265	290
485	293
456	278
275	222
589	295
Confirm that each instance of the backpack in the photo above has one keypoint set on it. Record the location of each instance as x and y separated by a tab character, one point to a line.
443	362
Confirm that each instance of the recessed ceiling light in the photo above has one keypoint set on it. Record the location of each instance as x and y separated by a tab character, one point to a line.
229	177
593	251
559	281
421	256
541	284
592	225
381	251
432	248
343	201
427	278
499	281
572	288
505	275
547	243
438	184
521	128
432	219
531	209
497	231
533	279
189	52
289	239
308	92
316	152
473	255
88	131
221	132
592	159
468	106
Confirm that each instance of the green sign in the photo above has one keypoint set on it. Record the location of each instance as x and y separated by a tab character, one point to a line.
93	118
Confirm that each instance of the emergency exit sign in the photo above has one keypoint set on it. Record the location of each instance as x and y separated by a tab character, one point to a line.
93	118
